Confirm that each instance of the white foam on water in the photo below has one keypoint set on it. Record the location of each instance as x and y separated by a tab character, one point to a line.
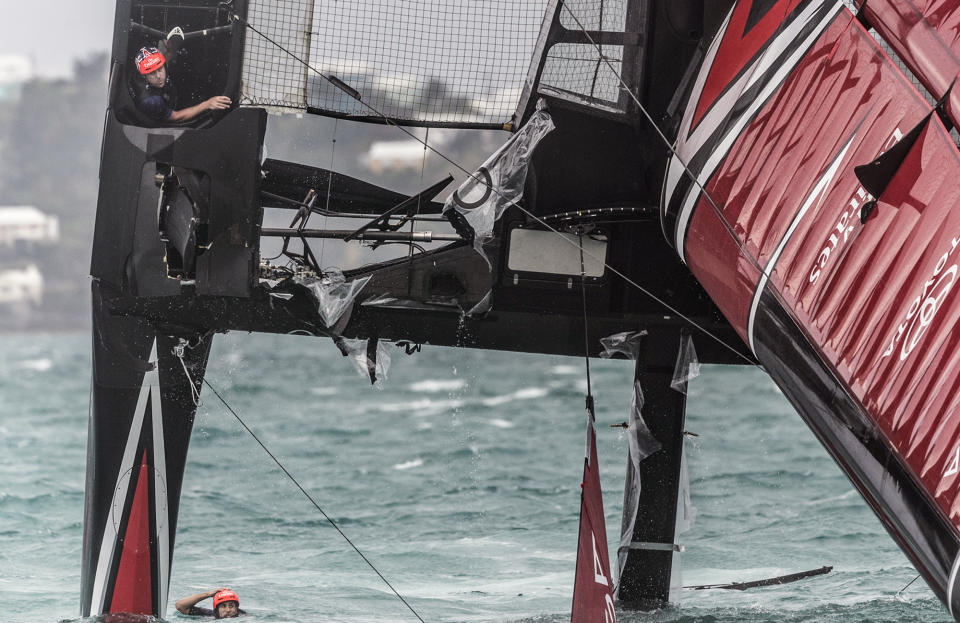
833	498
422	407
409	464
530	392
438	385
324	391
497	400
500	423
37	365
527	393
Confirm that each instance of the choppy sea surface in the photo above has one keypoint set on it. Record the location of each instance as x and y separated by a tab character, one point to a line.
459	480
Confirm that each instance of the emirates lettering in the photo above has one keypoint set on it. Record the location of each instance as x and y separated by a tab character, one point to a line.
841	231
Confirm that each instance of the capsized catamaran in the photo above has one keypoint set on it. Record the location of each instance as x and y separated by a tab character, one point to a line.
803	222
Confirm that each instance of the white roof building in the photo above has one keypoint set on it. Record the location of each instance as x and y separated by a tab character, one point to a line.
21	285
27	223
394	156
15	69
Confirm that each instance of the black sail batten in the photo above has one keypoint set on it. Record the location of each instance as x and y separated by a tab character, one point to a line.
780	579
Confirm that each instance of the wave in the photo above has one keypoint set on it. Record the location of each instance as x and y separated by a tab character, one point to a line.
409	464
422	407
527	393
324	391
37	365
430	386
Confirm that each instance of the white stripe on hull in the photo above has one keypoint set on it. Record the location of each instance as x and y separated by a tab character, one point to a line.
160	498
686	149
818	193
950	585
149	389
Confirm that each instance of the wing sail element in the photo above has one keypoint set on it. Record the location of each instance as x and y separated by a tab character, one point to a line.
593	586
852	318
925	34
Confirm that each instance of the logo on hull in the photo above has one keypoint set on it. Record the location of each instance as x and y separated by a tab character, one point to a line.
925	306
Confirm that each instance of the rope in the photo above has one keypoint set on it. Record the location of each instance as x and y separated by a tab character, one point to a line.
666	141
586	328
387	120
333	149
178	351
312	501
900	592
423	168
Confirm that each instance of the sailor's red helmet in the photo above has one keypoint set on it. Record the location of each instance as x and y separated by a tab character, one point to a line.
149	60
226	595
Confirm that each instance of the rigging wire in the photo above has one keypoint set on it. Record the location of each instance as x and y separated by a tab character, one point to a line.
312	501
387	120
600	57
719	213
178	352
587	457
586	328
423	167
333	149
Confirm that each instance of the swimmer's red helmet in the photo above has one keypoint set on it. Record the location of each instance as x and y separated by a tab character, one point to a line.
149	60
223	596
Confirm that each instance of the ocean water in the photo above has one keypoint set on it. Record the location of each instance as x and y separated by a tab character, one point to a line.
459	480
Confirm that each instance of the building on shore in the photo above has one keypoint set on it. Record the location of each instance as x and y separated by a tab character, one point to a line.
405	155
24	230
15	70
26	224
21	285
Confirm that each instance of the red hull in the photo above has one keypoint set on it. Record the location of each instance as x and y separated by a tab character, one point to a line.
827	303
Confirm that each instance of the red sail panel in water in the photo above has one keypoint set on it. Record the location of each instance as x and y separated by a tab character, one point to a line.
593	588
853	321
926	35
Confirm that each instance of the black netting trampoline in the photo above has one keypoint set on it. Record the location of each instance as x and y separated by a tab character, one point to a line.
423	62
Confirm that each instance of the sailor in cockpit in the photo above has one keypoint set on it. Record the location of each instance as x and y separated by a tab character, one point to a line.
154	94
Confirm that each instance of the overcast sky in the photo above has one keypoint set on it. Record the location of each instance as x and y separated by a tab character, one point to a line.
52	33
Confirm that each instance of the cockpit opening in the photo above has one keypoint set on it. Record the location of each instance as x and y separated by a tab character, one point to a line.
178	69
